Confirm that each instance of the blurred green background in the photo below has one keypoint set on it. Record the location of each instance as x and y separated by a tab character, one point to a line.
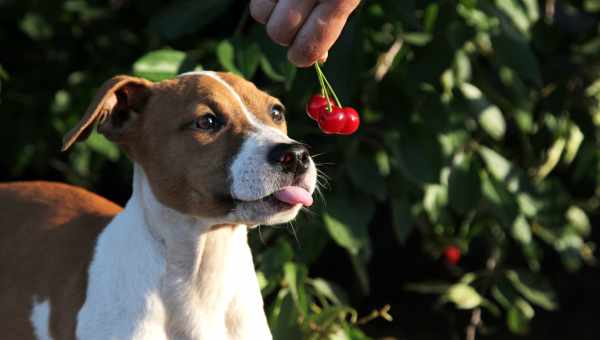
480	130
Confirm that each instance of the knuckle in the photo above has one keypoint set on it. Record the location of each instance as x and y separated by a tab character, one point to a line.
304	56
276	34
254	12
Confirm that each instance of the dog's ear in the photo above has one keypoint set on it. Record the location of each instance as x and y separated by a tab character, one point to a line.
116	105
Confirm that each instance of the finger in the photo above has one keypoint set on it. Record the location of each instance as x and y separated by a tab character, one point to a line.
261	9
324	57
287	18
320	31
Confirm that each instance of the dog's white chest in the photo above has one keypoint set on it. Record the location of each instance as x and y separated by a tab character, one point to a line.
151	283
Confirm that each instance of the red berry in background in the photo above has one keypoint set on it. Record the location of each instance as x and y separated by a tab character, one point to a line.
315	103
452	254
352	121
332	122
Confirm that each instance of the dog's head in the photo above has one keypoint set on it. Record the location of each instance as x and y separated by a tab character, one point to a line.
211	145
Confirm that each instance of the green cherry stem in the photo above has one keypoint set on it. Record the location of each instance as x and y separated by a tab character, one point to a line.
323	87
323	78
337	101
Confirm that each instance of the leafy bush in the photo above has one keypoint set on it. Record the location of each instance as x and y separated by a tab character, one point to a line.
481	130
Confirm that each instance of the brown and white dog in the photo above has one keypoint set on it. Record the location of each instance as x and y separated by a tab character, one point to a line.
211	159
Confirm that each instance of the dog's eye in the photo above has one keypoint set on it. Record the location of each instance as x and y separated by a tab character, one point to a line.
277	113
208	122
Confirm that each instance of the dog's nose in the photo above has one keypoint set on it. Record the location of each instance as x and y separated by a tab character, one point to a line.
292	158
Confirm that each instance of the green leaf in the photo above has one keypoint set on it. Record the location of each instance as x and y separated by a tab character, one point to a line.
346	224
328	321
464	184
365	176
262	280
570	246
552	158
522	12
103	146
159	65
463	296
311	237
517	54
403	222
504	293
269	70
274	62
226	56
273	258
283	317
329	290
591	5
428	287
573	143
359	264
354	333
527	205
435	200
420	156
519	315
504	204
533	288
416	38
521	230
248	59
579	220
271	262
497	165
295	276
489	116
36	27
182	17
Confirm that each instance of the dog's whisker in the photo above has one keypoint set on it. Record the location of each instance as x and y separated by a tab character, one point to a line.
321	196
260	235
309	212
324	163
318	155
294	233
323	182
323	177
322	173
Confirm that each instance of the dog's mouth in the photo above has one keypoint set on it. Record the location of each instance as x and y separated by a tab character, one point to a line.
288	196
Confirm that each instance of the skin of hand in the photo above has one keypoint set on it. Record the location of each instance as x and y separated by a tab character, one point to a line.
308	27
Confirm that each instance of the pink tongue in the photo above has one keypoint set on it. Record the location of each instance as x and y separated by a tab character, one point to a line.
294	195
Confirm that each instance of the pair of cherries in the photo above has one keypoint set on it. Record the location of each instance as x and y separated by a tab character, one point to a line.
331	116
332	119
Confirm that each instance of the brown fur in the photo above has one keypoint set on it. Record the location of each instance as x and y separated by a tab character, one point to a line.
47	236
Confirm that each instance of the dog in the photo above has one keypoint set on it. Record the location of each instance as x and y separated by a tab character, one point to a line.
211	159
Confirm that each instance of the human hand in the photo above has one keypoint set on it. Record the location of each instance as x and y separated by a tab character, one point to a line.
308	27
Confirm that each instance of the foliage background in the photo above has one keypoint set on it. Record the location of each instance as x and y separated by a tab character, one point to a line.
481	129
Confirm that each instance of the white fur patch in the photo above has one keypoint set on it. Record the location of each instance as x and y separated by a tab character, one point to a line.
40	319
160	274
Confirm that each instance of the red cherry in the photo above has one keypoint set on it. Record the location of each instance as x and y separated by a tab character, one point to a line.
452	254
315	103
352	121
332	122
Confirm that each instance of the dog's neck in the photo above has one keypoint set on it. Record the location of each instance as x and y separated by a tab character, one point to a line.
174	275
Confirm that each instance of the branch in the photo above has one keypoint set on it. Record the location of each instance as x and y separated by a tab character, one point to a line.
385	61
471	331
